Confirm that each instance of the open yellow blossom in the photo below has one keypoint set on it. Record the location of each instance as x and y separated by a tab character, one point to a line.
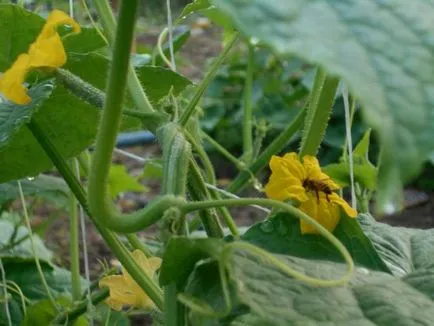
124	291
304	182
46	52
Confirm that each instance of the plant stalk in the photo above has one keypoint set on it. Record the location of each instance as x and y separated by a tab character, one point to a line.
74	251
318	112
134	87
248	107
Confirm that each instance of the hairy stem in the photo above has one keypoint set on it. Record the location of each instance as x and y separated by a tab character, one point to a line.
74	251
100	204
247	109
318	112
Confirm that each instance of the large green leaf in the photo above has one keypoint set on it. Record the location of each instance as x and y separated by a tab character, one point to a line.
383	50
372	298
404	250
14	117
19	29
22	248
280	234
69	123
47	187
26	276
43	312
274	298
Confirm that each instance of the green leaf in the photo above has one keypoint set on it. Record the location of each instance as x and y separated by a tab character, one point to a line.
43	312
86	41
280	234
404	250
372	298
153	169
106	316
50	188
158	81
14	311
365	172
23	250
69	123
383	50
182	254
193	7
120	181
26	276
19	29
274	298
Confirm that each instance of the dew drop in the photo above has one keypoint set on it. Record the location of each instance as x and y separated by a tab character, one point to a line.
390	208
363	270
254	40
267	226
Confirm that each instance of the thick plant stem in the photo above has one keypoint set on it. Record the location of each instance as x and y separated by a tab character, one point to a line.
94	96
134	87
276	146
318	112
175	311
248	107
100	204
74	251
191	108
118	249
210	174
198	191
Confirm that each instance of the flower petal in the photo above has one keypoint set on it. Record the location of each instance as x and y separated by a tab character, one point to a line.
349	211
324	212
48	52
11	82
292	163
313	170
154	263
283	188
121	291
57	18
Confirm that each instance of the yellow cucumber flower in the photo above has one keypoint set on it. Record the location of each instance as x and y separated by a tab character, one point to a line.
46	52
124	291
304	182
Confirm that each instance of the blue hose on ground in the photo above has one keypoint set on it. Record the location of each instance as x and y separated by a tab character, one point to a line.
136	138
